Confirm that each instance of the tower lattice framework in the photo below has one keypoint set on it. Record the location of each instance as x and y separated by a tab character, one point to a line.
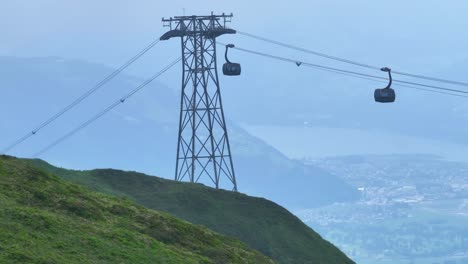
203	151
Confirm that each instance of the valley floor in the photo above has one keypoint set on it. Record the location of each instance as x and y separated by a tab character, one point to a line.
414	209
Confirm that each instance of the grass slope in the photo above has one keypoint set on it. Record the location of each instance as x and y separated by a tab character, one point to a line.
45	219
261	224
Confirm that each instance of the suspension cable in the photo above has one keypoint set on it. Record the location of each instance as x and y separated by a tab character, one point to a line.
322	67
81	98
379	80
282	44
106	110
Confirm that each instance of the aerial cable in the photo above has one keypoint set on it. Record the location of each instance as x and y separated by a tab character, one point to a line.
106	110
309	51
465	84
81	98
322	67
380	80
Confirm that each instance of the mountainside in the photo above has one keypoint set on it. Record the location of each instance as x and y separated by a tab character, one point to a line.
257	222
44	219
145	127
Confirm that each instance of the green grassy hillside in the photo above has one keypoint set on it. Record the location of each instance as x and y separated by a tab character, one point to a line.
261	224
45	219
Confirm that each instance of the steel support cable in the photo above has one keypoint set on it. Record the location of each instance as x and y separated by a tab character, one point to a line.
105	111
81	98
379	80
318	66
282	44
308	51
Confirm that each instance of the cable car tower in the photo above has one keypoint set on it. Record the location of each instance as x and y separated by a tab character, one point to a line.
203	152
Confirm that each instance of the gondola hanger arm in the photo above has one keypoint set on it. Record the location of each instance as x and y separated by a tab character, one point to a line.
387	69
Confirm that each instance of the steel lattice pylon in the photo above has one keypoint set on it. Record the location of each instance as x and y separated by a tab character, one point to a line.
203	151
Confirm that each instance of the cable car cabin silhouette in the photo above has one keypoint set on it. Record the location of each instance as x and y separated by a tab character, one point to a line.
387	94
231	68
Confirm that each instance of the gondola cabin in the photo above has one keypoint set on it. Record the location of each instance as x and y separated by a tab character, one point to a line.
385	95
231	69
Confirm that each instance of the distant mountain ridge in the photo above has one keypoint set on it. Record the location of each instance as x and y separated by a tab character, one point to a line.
142	133
259	223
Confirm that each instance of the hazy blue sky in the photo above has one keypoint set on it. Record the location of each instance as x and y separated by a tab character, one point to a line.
401	33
